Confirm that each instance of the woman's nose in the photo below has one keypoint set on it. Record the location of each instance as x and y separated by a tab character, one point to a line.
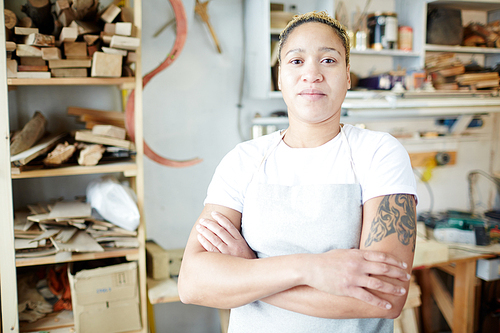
312	73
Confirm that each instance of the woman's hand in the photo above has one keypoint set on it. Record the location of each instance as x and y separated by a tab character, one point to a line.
220	235
353	272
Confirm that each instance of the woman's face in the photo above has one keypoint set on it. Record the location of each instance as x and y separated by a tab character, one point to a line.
313	76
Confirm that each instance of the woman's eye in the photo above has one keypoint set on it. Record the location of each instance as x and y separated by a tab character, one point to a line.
329	61
296	61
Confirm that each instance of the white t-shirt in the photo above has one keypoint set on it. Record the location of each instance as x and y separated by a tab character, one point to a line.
381	163
381	166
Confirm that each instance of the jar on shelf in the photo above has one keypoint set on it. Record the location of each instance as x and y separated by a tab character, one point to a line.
383	30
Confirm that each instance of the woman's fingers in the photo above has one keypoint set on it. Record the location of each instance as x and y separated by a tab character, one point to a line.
217	229
223	235
384	258
209	247
382	286
369	298
375	268
226	224
212	240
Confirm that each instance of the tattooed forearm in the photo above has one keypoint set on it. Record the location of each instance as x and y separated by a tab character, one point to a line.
395	214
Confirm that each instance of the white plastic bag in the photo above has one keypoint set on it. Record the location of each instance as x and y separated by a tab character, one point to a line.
114	202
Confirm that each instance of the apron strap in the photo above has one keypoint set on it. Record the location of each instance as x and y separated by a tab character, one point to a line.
344	137
282	135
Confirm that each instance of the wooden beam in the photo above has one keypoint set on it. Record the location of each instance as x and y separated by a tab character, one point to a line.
11	68
75	50
110	13
109	130
28	51
32	61
77	111
25	31
448	269
124	42
464	294
70	63
51	53
69	72
68	34
442	297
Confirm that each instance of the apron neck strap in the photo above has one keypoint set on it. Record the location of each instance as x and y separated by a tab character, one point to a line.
344	138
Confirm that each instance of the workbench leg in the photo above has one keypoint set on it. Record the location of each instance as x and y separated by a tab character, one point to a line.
464	294
151	318
426	309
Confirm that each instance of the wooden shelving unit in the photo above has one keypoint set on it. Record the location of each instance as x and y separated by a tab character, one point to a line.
461	49
130	254
123	82
129	169
411	13
132	170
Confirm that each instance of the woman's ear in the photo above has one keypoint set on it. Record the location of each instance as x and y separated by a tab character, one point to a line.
279	77
348	76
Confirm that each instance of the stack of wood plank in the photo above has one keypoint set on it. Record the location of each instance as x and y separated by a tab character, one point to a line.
449	73
83	40
104	138
104	129
66	226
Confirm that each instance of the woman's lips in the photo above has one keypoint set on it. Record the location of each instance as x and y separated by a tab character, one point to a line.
312	94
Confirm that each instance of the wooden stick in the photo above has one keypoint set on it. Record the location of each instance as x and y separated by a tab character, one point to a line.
201	10
29	135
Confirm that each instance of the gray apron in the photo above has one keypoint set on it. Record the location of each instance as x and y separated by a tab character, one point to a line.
281	220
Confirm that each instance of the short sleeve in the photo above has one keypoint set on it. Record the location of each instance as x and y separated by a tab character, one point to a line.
389	170
234	173
225	189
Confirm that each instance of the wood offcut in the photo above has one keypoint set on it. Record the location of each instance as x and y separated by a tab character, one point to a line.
29	135
202	11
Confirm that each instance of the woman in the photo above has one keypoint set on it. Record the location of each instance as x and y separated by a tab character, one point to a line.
311	229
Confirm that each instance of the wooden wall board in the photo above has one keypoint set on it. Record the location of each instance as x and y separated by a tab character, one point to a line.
422	159
8	283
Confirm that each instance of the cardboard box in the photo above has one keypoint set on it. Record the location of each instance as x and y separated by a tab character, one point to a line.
157	261
175	261
106	299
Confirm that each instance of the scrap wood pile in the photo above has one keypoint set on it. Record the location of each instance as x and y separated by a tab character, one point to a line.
482	35
449	73
103	140
66	226
70	38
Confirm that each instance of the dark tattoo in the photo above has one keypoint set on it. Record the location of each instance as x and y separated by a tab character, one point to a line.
396	214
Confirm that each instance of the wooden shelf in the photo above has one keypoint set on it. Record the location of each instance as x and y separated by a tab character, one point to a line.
461	49
126	82
391	53
128	168
131	254
162	291
479	5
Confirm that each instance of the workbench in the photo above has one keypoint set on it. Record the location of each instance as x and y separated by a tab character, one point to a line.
459	309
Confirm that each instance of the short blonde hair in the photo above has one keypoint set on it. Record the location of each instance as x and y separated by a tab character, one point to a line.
320	17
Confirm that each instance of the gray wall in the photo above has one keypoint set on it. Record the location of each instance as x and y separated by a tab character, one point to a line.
190	110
